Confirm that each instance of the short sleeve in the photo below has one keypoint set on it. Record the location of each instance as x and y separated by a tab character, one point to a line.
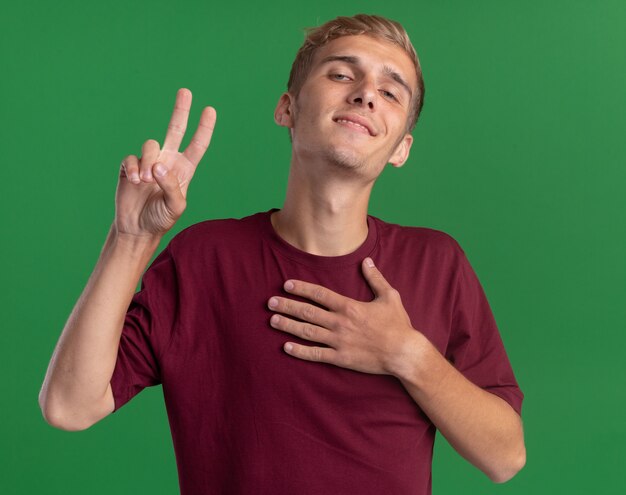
147	328
475	347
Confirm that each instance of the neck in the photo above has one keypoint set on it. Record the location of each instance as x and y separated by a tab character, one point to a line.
322	214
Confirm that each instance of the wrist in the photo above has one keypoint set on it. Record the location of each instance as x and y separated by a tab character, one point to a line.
406	358
138	241
417	361
131	245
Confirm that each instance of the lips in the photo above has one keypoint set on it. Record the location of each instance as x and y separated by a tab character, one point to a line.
359	123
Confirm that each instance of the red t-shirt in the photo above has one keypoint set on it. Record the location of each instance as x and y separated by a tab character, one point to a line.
246	418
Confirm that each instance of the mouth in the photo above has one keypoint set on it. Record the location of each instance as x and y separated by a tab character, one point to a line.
357	123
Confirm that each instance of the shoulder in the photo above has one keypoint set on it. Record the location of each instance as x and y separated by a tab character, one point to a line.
419	239
216	234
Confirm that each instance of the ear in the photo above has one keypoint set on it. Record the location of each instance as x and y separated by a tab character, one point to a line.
283	114
401	153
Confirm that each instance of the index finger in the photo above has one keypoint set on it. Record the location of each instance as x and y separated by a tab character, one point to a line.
178	122
202	137
316	293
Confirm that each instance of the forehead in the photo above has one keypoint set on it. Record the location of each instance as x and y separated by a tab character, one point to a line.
373	53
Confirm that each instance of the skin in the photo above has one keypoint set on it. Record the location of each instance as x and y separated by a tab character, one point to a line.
151	195
333	168
334	165
154	195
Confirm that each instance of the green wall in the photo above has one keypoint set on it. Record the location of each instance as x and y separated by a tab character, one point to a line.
519	155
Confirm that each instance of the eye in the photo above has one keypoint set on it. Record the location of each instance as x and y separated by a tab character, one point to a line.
339	77
388	94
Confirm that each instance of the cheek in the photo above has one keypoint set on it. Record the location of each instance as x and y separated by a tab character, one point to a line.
310	115
399	125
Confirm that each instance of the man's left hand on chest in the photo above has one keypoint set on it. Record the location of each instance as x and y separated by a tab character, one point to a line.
371	337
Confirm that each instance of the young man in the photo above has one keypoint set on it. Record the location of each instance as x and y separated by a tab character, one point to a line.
312	349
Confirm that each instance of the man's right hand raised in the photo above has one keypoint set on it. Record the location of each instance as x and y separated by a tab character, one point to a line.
77	390
152	190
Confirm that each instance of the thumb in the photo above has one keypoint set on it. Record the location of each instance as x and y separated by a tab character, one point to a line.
374	278
168	182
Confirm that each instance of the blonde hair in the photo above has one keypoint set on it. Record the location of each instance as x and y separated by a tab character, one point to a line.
370	25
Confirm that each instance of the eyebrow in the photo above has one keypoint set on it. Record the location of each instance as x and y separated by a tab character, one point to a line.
388	71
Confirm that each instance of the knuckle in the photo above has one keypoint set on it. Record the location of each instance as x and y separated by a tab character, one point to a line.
343	322
345	360
319	294
308	332
308	312
316	354
353	311
199	144
177	128
128	165
342	305
209	127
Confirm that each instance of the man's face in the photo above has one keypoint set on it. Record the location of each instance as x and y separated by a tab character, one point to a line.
352	110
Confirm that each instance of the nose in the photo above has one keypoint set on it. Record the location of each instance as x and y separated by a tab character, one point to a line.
364	94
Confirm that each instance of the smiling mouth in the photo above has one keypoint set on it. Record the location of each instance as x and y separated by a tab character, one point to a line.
354	125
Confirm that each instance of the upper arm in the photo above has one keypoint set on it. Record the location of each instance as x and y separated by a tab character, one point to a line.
101	409
107	406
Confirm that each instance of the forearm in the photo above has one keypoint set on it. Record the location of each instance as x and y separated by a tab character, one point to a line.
481	426
82	364
377	337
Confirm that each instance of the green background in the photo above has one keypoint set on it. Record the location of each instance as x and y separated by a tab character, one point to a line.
519	155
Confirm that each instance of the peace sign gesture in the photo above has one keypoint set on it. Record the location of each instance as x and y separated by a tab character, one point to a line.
152	190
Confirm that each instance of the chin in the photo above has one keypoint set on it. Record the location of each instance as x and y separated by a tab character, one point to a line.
347	160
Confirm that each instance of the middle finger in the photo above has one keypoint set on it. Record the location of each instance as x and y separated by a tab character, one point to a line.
302	311
303	330
178	122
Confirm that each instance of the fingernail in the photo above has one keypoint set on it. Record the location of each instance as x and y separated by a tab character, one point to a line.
369	262
288	347
160	170
273	302
274	319
289	285
134	178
